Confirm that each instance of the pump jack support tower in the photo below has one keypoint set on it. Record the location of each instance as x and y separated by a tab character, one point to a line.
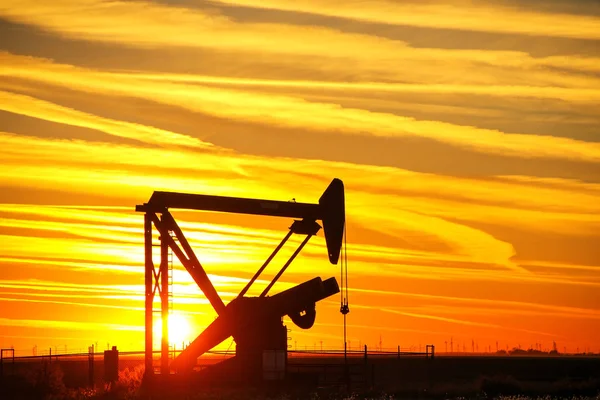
254	322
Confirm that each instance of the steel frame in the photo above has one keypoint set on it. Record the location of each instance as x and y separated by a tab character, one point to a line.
156	216
156	279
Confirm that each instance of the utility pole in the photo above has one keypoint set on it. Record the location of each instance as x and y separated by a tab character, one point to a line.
451	345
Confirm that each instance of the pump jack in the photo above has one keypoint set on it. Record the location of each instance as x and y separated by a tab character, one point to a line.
255	323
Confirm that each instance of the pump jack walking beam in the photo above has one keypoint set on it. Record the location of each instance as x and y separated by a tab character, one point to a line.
330	210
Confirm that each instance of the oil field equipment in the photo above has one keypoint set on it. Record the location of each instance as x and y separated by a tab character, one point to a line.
255	323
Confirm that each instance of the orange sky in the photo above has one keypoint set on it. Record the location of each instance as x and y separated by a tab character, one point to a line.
467	135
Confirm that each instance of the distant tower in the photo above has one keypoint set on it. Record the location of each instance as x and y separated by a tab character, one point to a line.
446	345
451	345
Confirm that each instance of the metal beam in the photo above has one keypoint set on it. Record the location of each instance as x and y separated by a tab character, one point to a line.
164	298
149	292
268	260
165	200
330	209
190	261
287	264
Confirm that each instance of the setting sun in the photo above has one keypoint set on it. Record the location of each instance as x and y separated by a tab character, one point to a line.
180	330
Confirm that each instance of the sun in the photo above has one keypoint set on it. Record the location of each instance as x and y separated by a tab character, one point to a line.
180	330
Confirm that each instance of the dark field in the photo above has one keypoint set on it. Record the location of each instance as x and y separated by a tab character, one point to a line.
323	377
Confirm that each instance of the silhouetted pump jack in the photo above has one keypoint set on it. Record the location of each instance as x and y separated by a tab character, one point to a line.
255	323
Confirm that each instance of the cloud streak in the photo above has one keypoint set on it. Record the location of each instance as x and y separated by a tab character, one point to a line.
290	112
485	17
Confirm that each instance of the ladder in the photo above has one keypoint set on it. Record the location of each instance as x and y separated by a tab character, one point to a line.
157	311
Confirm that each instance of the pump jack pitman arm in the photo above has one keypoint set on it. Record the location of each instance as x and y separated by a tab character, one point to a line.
330	210
297	302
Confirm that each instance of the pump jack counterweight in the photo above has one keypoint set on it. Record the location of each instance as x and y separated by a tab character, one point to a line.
255	323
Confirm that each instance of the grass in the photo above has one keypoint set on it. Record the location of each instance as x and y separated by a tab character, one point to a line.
46	381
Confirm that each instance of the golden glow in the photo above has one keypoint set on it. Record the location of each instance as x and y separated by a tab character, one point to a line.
468	146
295	112
460	15
180	330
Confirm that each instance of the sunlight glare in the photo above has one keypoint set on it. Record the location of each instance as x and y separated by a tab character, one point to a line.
179	330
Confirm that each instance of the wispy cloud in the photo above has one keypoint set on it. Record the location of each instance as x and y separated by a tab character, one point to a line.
291	112
483	17
74	325
36	108
456	320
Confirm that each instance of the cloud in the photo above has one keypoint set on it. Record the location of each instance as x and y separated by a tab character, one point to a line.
291	112
458	15
36	108
426	210
66	324
456	304
571	94
455	320
155	26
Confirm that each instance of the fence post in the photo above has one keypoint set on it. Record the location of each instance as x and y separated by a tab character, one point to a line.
91	365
